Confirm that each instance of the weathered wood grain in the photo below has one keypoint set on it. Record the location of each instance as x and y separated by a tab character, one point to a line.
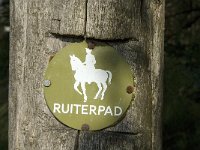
40	28
111	19
157	67
68	17
110	141
31	125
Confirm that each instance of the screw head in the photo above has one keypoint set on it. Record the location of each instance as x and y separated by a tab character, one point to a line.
129	89
91	45
85	127
47	83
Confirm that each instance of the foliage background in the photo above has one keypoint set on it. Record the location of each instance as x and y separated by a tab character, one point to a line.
181	117
4	57
181	111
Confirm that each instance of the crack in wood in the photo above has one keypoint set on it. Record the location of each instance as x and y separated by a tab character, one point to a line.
55	25
67	37
85	28
76	145
124	133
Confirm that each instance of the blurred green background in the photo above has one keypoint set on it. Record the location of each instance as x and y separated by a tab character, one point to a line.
181	111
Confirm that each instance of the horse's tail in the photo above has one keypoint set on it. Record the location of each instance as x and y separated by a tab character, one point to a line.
109	76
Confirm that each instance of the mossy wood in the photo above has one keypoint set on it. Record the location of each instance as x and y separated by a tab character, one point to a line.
40	28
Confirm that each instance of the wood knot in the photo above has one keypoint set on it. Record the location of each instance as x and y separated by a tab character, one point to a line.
91	45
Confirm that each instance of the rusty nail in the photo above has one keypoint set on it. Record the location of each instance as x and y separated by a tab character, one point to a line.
91	45
47	83
129	89
85	127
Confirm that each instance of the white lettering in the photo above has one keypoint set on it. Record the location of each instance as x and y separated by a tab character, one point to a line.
77	106
108	111
120	111
63	109
71	109
56	108
84	109
101	109
92	110
87	109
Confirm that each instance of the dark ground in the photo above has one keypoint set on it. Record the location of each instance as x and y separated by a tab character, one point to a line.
181	115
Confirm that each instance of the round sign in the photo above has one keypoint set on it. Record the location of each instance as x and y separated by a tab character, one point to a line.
88	89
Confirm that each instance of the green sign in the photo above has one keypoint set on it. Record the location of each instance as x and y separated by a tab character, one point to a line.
88	89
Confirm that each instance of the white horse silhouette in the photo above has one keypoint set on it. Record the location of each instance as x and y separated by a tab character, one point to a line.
83	75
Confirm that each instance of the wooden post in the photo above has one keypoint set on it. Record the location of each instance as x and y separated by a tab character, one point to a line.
41	27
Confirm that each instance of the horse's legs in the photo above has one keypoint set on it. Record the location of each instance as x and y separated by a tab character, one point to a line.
104	89
84	91
100	88
76	84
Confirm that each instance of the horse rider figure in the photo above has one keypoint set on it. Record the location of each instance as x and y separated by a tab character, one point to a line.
90	61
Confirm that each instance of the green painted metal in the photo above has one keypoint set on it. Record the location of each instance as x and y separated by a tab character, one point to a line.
68	106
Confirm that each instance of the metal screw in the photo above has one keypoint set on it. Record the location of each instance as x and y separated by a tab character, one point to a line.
85	127
91	45
129	89
47	83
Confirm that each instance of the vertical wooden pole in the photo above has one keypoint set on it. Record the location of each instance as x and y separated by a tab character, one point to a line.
40	28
